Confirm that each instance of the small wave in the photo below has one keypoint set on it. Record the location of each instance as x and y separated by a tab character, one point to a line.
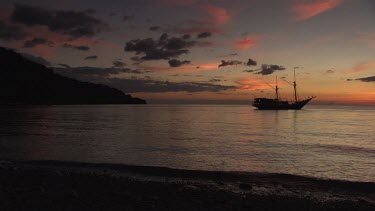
346	148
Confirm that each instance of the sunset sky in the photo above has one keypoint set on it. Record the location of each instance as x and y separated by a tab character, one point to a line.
202	50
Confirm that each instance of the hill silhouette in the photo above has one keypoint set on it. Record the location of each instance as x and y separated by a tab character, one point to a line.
25	82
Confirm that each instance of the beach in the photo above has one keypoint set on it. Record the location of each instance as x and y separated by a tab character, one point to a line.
53	185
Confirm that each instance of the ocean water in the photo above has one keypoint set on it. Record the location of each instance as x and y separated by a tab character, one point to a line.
319	141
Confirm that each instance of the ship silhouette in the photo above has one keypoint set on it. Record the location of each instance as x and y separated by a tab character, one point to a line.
277	104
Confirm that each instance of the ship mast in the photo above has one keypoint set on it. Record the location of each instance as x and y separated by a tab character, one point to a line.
276	89
294	84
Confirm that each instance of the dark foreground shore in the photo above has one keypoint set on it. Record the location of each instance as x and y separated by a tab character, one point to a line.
50	185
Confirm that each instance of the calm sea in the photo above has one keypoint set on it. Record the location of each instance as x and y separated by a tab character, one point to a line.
320	141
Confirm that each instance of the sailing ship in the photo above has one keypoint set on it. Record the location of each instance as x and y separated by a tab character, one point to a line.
277	104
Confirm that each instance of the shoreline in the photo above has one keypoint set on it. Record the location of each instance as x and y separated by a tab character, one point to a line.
89	186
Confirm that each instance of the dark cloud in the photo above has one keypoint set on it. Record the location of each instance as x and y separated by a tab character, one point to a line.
229	63
118	64
72	23
147	85
186	36
11	32
228	55
136	59
154	28
177	63
36	41
269	69
250	71
36	59
134	84
90	73
128	17
164	48
251	62
79	47
367	79
204	35
215	80
91	57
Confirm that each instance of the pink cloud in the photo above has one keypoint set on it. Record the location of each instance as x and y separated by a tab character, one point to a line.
219	15
305	10
247	42
362	67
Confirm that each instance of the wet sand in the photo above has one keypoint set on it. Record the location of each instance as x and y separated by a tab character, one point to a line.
51	185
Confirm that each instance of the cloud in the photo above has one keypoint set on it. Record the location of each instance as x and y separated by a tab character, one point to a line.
367	79
36	41
118	64
11	32
362	67
215	80
219	15
250	71
186	36
134	85
79	47
177	63
164	48
94	57
225	63
247	42
90	73
228	55
305	10
72	23
251	62
269	69
204	35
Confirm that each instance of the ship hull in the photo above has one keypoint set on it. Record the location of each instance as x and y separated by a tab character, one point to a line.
271	104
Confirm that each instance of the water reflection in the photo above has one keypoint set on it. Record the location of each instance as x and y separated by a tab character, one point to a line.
197	137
